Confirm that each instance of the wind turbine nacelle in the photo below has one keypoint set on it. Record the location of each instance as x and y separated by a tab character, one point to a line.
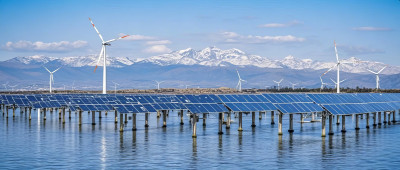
107	44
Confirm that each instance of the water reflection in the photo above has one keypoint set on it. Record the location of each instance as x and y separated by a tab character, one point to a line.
194	148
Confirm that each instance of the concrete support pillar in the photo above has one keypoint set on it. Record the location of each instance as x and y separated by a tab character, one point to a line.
194	121
164	118
93	118
228	121
99	114
63	115
69	111
158	113
146	120
126	119
121	122
323	131
13	111
357	122
80	117
384	118
379	118
220	124
343	123
374	124
388	121
44	113
330	125
240	122
134	122
260	115
301	118
182	118
7	112
253	119
394	116
59	114
280	124
116	116
291	130
30	112
272	118
367	120
204	119
337	120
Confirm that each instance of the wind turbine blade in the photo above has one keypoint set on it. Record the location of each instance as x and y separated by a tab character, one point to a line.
47	69
381	70
337	56
238	74
328	70
56	70
343	80
333	81
101	37
372	71
115	39
275	81
281	81
98	60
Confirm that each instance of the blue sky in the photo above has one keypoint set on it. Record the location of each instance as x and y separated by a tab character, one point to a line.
366	29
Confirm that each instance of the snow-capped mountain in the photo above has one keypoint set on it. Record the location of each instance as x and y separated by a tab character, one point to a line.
213	57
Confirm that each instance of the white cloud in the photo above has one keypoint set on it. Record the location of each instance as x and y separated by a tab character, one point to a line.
232	37
62	46
280	25
159	42
157	49
137	37
359	50
372	29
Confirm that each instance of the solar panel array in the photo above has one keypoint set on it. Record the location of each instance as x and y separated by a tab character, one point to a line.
342	104
293	103
211	103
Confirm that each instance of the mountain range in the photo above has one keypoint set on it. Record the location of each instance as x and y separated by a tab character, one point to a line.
209	67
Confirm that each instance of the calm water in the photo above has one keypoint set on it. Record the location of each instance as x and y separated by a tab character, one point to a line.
36	144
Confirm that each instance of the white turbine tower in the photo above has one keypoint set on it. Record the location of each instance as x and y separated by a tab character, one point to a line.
158	84
239	85
103	54
279	83
339	62
115	87
51	77
377	76
293	84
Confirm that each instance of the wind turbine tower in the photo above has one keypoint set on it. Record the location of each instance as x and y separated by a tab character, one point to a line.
103	54
51	77
293	84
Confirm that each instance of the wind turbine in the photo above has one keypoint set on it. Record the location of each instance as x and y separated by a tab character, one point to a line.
103	54
322	84
158	84
187	86
339	62
279	83
5	85
293	84
239	85
336	84
377	76
51	76
115	87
